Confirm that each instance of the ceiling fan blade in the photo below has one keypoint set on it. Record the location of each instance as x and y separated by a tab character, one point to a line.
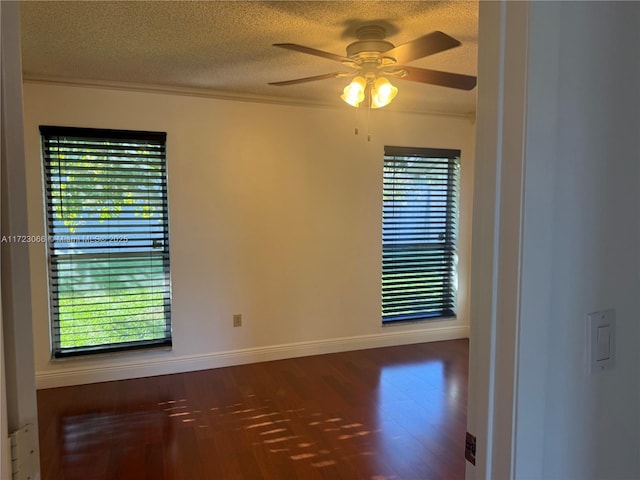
313	51
310	79
435	77
424	46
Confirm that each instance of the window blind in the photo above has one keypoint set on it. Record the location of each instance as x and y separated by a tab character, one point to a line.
419	230
107	239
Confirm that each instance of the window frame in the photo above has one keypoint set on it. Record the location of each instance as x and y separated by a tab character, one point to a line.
146	171
396	293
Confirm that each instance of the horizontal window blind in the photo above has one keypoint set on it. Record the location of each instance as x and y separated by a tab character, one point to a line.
419	230
107	239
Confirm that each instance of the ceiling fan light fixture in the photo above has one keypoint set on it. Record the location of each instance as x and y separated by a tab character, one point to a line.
353	93
372	57
382	93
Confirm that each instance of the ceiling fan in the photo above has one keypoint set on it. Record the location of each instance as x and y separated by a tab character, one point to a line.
372	59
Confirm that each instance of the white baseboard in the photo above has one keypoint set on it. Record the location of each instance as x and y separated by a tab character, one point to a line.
136	368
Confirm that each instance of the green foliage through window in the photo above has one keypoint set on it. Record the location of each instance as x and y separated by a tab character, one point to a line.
108	239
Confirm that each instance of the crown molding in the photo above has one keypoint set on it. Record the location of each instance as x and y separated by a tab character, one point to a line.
210	93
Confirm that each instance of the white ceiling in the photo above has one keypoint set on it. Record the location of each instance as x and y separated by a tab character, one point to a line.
223	48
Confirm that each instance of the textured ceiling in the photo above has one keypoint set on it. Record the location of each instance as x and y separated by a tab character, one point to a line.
224	47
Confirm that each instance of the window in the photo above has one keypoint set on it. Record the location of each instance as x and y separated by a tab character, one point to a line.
107	239
419	229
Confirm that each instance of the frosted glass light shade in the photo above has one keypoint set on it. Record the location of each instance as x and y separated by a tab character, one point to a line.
382	93
353	93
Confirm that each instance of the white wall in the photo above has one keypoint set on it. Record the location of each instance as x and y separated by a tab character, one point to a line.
568	232
275	213
590	423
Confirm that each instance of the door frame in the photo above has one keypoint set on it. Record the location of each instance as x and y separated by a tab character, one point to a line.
498	216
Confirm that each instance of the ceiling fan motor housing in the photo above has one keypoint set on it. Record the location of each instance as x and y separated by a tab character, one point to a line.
370	43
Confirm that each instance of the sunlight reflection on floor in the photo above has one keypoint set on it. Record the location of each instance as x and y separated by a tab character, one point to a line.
412	401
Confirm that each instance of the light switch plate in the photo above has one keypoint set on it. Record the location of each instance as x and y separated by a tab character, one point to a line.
601	341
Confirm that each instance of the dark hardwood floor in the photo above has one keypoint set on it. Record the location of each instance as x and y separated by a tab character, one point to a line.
388	413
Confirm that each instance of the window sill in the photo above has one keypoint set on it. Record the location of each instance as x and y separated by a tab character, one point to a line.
395	323
113	354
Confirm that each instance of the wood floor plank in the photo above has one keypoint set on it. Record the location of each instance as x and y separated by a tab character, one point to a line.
395	413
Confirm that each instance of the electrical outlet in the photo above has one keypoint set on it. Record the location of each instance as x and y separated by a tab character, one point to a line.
470	449
237	320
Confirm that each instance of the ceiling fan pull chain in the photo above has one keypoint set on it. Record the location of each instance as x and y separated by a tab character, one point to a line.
356	128
369	118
